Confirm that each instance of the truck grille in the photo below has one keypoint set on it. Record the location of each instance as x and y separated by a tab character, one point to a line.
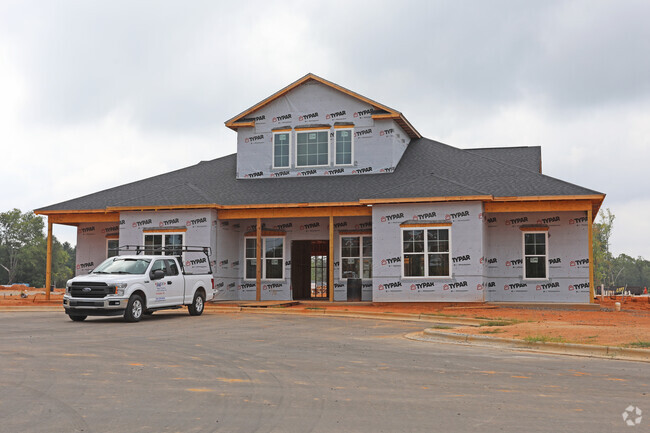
80	289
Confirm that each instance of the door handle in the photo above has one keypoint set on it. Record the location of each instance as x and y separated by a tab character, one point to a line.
169	282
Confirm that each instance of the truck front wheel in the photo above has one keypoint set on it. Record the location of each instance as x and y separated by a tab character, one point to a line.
134	309
77	317
197	305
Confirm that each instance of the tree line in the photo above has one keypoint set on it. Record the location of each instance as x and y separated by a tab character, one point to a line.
23	251
23	254
618	271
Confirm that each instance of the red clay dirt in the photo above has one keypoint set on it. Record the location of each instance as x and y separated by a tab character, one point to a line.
605	327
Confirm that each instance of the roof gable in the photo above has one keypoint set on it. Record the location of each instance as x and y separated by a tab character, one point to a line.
381	111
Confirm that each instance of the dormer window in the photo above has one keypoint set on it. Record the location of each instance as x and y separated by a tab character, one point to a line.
343	138
312	147
281	148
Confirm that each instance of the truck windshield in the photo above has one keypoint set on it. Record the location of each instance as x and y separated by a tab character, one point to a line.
117	265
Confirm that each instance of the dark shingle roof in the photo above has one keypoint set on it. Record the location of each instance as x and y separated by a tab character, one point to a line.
427	169
529	157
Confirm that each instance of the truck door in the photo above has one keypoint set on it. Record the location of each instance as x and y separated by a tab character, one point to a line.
168	290
158	291
175	283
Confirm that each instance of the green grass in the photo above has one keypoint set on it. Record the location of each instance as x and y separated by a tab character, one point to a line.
641	344
544	339
442	327
499	323
492	331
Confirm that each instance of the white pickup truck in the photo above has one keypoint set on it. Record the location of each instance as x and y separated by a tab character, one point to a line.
133	285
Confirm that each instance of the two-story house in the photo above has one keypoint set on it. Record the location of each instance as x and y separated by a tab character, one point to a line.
328	185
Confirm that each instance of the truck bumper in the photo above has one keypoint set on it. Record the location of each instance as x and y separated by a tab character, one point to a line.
94	307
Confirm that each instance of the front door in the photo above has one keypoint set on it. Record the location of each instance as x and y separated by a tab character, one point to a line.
310	269
319	270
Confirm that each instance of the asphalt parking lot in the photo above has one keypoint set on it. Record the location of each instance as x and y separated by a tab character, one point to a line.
273	373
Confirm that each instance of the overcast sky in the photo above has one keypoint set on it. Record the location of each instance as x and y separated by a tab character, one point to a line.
98	94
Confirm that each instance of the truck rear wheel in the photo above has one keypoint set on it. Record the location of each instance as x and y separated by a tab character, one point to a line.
77	317
197	305
134	309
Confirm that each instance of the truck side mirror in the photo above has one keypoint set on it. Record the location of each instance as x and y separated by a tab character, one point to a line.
157	274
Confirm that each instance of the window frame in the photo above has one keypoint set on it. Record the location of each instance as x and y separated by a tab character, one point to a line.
163	233
360	257
264	258
308	131
351	131
524	255
425	251
109	240
278	132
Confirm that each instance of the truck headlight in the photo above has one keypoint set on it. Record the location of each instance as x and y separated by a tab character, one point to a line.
67	287
119	289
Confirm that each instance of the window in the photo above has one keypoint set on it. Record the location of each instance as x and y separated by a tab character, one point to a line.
112	246
535	263
312	148
159	265
425	252
272	258
344	146
170	244
281	146
171	265
356	257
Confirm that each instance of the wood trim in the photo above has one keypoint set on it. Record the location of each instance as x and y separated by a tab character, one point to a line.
311	128
70	211
330	260
258	260
349	126
590	245
344	233
425	199
289	205
158	208
426	225
250	124
385	116
551	197
163	230
48	263
538	206
75	218
534	229
281	130
112	236
265	233
226	214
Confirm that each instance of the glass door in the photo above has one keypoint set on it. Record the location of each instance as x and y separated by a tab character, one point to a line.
319	271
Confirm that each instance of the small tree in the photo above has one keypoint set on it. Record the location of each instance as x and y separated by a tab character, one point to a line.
603	266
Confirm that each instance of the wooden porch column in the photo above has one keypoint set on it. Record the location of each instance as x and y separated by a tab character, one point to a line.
48	265
258	261
330	262
590	243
